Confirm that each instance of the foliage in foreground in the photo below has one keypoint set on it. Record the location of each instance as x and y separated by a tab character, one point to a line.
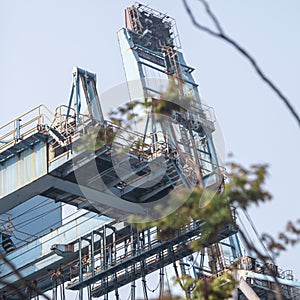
245	187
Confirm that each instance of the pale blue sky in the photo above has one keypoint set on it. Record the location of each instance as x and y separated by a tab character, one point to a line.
42	40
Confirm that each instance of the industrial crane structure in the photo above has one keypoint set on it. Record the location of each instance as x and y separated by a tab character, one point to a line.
47	164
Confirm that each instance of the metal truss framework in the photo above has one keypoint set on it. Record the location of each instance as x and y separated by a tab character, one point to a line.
109	261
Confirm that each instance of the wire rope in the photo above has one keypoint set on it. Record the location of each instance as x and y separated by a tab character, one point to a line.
256	232
29	221
161	283
61	233
31	209
244	229
144	284
43	230
57	222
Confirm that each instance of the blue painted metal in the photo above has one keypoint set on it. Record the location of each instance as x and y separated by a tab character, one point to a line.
35	259
84	84
41	161
21	170
140	256
31	219
6	243
18	129
138	53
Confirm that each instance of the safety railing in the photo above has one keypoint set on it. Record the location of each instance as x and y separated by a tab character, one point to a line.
147	11
141	145
153	145
127	246
67	123
24	126
70	126
125	140
40	119
202	111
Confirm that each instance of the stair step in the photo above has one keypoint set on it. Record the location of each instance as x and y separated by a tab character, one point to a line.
58	137
7	244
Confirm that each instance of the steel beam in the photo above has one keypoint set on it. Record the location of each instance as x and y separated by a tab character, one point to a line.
36	259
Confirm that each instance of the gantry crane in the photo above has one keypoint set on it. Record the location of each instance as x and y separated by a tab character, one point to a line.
112	170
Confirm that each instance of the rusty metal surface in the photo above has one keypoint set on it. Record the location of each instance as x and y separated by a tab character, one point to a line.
37	256
25	125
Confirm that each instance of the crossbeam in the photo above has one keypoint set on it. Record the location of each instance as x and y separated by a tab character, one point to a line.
130	256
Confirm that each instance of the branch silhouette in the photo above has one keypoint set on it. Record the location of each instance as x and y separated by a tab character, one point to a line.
220	33
26	284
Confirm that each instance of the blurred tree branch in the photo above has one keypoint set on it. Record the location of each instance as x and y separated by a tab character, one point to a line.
245	187
26	284
220	33
290	237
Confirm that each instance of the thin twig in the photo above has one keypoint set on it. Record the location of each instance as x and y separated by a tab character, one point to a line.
221	34
22	279
14	288
213	17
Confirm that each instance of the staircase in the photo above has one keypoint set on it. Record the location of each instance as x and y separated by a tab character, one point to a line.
57	136
173	175
6	243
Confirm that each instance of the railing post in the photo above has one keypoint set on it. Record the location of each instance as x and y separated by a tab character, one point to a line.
149	237
39	113
138	241
80	259
18	129
104	248
93	254
113	248
80	268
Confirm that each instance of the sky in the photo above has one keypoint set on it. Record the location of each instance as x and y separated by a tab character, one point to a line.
41	41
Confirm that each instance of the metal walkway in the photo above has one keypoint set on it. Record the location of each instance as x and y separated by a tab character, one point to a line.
123	256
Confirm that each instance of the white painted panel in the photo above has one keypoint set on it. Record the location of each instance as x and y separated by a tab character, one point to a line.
23	168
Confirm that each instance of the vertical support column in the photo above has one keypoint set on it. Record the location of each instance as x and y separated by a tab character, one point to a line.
99	233
138	241
113	247
126	243
89	292
80	267
161	275
144	283
183	273
104	248
133	241
133	288
93	253
149	238
117	297
105	260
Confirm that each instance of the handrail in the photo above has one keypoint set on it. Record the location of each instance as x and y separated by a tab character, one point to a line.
31	121
27	123
13	131
28	112
134	247
158	147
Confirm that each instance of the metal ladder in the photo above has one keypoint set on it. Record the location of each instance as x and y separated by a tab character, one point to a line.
171	56
135	19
